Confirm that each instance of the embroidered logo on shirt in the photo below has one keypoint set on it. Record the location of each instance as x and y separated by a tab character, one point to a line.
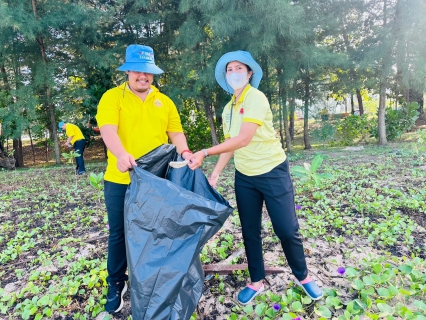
158	103
242	111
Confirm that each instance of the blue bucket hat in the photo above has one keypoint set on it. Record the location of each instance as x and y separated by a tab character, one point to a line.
60	124
240	56
141	59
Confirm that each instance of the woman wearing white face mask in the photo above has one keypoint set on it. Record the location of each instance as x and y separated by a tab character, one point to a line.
261	175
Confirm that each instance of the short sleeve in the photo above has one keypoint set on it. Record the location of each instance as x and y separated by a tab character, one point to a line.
108	109
174	124
256	107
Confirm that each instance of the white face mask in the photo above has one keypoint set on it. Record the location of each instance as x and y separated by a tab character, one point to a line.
237	80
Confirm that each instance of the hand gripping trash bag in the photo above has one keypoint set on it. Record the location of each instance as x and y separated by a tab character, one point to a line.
167	222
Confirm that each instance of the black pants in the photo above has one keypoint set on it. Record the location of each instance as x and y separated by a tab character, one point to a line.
117	261
79	146
276	189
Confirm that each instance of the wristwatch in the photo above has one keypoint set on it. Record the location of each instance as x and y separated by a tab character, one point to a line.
205	153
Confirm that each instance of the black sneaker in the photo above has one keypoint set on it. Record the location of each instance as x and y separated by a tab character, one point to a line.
116	291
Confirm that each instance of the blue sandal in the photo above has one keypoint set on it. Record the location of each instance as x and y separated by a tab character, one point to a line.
249	293
312	290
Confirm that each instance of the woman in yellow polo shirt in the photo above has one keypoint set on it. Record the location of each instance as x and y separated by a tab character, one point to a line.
262	172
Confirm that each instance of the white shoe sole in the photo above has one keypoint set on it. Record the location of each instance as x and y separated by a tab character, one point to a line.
122	294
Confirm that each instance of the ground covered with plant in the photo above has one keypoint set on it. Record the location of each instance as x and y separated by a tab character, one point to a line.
364	235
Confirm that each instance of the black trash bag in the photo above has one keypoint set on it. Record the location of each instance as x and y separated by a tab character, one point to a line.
167	223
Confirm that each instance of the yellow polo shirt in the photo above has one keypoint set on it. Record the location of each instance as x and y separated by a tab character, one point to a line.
264	152
142	125
71	130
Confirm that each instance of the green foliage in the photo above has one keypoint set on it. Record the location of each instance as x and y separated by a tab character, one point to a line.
325	132
196	127
70	156
96	180
399	121
307	173
352	129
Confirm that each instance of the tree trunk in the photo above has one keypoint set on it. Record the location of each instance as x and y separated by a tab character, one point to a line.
305	118
381	118
280	113
286	126
18	154
352	104
209	113
360	104
292	111
32	144
48	93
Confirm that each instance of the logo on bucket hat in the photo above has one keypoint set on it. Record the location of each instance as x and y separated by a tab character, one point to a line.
141	59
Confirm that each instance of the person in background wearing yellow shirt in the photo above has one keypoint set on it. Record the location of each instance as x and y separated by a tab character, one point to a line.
75	139
261	175
134	118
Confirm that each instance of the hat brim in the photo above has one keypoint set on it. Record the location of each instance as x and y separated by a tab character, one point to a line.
141	67
220	71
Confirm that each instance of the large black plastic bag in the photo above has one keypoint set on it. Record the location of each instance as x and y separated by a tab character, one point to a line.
167	225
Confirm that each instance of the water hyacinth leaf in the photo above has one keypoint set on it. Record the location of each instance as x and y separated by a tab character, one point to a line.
405	269
377	268
271	313
385	277
383	292
393	290
385	309
416	274
351	272
248	309
420	304
368	281
332	302
44	301
357	284
330	292
406	292
306	300
287	316
323	311
260	309
368	301
275	298
376	278
354	307
296	306
403	311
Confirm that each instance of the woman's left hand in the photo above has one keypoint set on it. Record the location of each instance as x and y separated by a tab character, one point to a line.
196	160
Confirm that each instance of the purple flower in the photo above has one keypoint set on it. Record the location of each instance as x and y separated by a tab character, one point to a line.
277	307
341	270
298	318
298	207
107	226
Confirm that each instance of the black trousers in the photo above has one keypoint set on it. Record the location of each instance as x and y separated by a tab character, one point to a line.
117	260
276	189
79	146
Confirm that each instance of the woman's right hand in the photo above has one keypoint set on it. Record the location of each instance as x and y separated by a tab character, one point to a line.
213	179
